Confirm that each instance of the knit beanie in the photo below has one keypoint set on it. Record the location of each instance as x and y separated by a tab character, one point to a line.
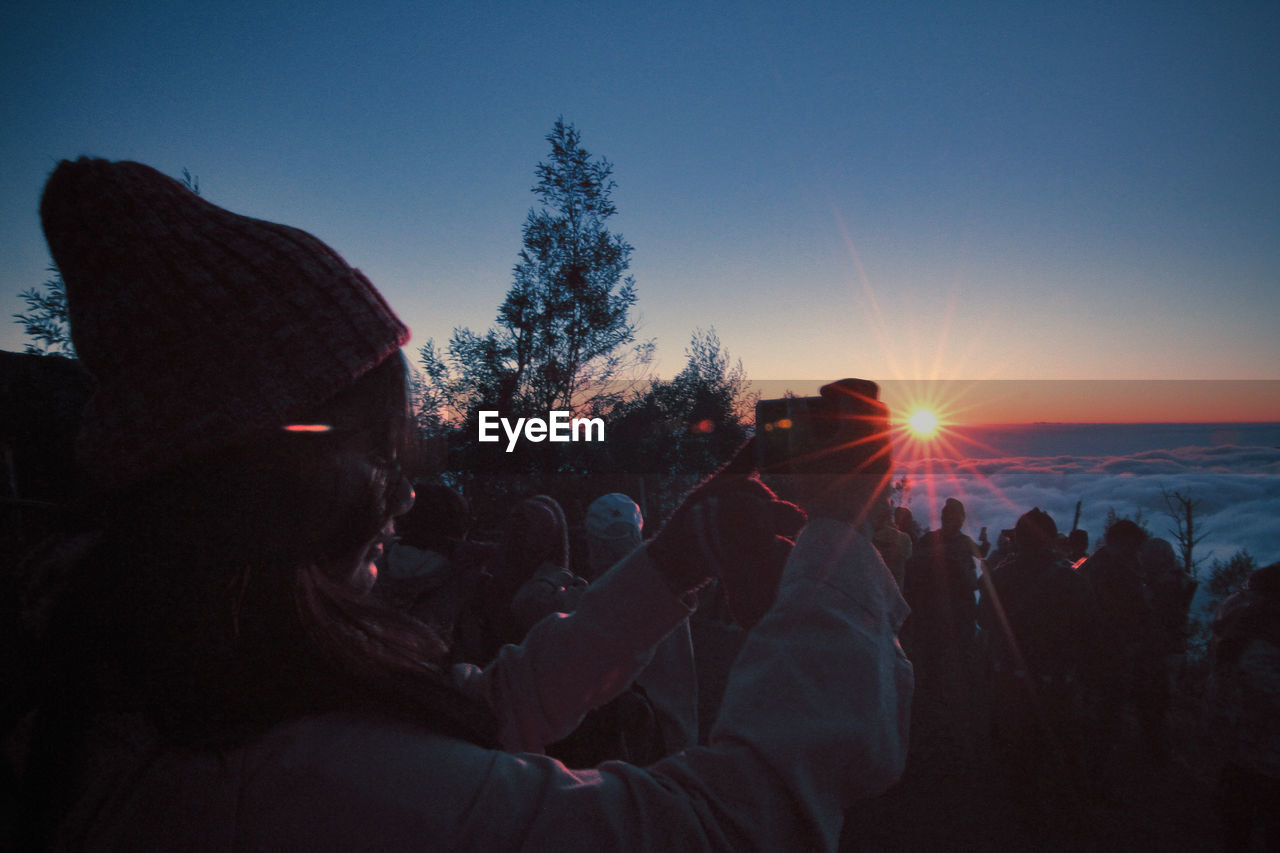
200	326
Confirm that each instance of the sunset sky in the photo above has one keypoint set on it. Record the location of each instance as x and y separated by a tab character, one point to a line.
898	191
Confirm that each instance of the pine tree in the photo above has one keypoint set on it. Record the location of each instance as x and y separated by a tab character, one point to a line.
564	331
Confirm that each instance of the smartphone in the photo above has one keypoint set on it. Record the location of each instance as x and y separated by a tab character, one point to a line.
821	434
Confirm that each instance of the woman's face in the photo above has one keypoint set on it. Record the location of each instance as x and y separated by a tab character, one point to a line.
399	501
353	475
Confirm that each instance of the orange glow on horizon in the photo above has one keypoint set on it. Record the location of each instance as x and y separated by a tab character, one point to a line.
1117	401
977	402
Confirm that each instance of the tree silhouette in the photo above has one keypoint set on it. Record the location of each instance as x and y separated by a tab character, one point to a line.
1181	509
45	320
564	332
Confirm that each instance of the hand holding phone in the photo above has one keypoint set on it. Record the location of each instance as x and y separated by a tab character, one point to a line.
831	454
732	527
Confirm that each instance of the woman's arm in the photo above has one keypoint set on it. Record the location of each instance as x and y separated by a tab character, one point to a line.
815	716
570	663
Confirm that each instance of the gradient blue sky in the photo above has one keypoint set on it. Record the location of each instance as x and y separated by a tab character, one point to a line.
892	190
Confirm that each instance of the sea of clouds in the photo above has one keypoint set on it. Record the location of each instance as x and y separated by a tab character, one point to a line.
1232	471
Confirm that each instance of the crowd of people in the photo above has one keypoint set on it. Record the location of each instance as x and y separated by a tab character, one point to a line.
1074	657
480	596
1071	654
256	633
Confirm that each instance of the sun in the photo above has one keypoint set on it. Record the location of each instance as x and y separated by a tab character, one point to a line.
923	423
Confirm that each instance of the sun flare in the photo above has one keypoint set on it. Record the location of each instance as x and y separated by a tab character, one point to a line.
923	423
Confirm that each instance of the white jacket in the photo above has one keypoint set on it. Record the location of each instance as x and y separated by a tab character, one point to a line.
814	717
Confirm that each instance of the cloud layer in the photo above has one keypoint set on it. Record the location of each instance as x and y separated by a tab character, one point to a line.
1236	487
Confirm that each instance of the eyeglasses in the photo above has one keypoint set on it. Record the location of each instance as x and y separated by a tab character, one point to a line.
399	495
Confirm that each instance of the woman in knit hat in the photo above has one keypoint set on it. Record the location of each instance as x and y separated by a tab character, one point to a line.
206	668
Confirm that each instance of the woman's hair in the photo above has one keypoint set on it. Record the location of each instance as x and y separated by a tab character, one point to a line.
222	596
